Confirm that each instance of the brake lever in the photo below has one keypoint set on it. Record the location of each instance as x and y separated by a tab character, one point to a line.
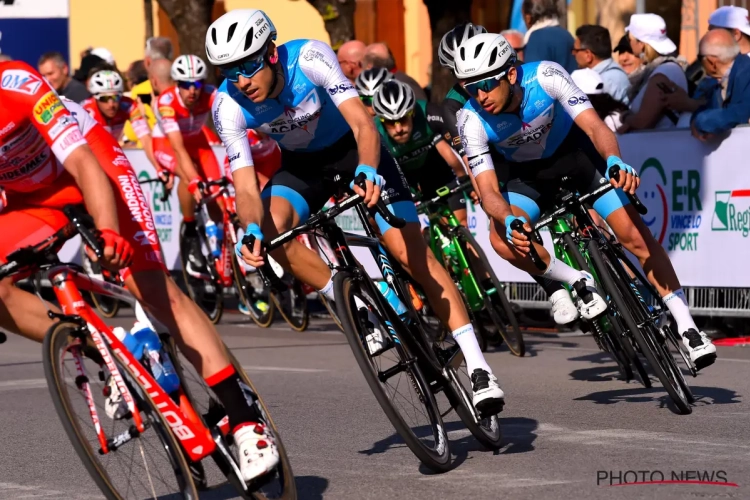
614	173
517	225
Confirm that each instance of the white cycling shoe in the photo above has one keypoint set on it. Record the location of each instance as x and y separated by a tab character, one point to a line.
564	311
590	303
257	450
702	350
489	398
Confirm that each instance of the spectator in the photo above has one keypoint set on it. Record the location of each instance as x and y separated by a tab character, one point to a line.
648	39
160	75
136	74
546	40
350	56
723	100
105	54
608	108
627	61
515	39
735	20
593	49
159	47
53	67
89	62
378	54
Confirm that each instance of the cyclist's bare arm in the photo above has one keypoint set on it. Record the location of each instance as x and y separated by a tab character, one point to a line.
247	197
94	184
185	168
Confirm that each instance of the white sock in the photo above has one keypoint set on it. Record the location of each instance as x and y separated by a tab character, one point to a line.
560	271
678	306
467	341
327	290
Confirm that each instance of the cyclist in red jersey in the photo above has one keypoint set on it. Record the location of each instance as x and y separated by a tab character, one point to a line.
182	112
111	109
46	164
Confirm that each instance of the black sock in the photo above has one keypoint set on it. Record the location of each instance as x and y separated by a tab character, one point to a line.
190	228
237	398
548	285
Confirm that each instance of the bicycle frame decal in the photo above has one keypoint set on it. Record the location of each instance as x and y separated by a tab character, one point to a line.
86	388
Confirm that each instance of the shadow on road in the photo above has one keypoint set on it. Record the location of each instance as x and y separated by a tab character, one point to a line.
311	487
597	374
534	347
704	396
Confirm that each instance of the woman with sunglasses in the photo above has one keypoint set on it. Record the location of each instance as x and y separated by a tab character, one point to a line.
182	111
298	94
524	129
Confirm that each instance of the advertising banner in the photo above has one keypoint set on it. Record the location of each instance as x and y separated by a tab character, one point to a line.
29	28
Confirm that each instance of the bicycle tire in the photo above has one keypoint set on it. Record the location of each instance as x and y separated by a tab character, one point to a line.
107	306
212	303
264	318
298	324
55	342
331	311
500	309
437	459
650	346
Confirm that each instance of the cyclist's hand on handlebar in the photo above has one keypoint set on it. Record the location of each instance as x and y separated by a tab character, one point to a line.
627	178
253	235
118	254
474	197
519	240
167	178
195	187
374	182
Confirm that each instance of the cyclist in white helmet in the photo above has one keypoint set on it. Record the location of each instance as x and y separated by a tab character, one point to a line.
367	83
525	128
297	93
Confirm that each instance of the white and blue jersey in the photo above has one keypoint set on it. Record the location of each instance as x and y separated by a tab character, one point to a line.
304	117
551	101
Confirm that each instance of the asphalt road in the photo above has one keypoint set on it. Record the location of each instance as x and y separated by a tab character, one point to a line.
571	428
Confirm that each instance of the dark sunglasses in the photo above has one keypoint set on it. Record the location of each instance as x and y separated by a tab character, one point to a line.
366	100
247	68
487	85
392	123
187	85
108	98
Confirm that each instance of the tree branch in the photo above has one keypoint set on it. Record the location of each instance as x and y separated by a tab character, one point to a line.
338	17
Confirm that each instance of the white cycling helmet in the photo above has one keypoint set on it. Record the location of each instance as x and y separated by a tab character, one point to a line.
483	56
238	34
455	37
393	100
369	80
188	69
106	82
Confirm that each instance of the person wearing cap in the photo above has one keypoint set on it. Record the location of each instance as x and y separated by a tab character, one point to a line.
625	58
607	107
649	41
737	21
593	49
105	54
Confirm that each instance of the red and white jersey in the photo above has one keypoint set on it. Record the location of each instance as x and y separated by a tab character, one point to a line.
37	133
128	111
173	116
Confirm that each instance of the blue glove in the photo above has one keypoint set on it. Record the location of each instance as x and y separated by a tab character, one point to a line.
370	174
508	221
616	161
253	229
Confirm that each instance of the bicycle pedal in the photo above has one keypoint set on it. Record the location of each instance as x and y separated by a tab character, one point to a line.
490	408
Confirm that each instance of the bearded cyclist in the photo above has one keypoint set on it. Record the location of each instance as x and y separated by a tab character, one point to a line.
298	94
534	125
71	159
182	111
367	82
413	133
564	310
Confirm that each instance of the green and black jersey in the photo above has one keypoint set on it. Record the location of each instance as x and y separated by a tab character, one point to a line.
452	104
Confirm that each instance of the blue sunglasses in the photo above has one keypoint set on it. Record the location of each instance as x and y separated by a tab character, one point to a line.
247	68
186	85
485	86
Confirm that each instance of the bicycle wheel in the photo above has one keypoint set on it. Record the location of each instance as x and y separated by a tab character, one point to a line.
254	294
650	340
331	308
497	304
394	375
107	306
206	292
150	464
292	304
277	485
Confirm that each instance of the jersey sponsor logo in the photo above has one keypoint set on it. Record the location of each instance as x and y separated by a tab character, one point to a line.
10	126
166	112
234	157
166	99
47	107
26	168
136	201
121	161
146	238
502	125
18	80
72	138
539	104
551	72
340	88
574	101
300	88
456	141
62	123
316	54
262	108
434	118
533	135
416	135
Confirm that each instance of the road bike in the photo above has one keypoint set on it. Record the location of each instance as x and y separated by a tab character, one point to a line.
416	379
484	295
636	320
153	446
317	243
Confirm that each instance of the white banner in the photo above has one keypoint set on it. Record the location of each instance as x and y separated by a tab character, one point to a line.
698	197
29	9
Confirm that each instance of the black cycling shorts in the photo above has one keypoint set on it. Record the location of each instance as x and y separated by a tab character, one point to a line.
434	174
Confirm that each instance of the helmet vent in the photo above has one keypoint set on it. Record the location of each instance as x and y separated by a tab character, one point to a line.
462	52
478	49
249	38
493	56
231	31
213	35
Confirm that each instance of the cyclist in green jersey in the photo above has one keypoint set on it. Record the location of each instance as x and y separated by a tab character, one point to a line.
564	310
412	131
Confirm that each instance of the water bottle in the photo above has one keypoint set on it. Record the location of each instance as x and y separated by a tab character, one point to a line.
214	238
393	300
145	345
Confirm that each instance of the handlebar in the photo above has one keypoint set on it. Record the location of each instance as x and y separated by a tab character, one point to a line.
206	186
442	194
517	225
614	173
165	193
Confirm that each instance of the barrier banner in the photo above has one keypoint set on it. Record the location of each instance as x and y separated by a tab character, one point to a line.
698	199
